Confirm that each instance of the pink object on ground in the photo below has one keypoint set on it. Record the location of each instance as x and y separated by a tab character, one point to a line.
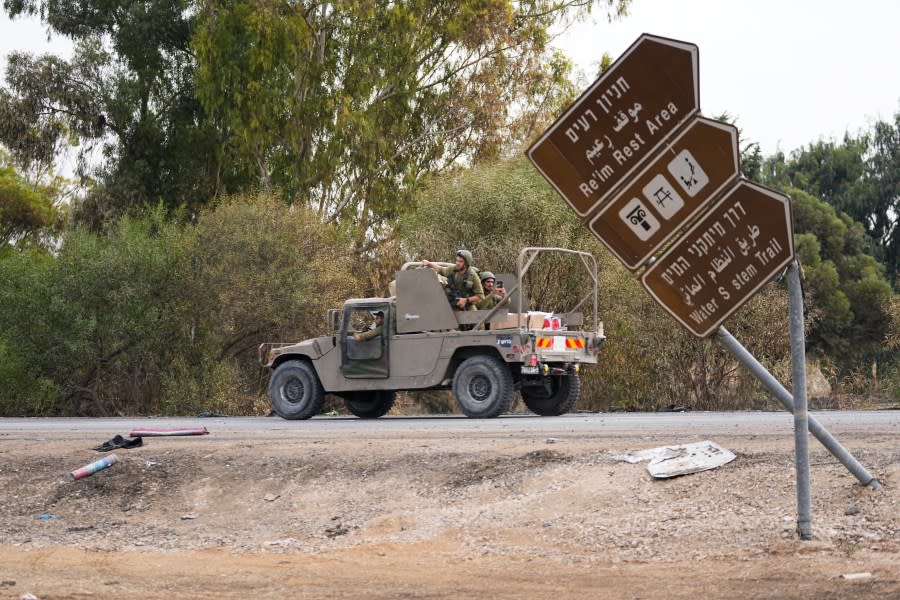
161	432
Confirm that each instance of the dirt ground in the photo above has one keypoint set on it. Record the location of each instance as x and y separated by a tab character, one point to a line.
441	516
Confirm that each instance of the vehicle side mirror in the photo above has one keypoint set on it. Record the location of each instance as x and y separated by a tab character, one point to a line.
334	320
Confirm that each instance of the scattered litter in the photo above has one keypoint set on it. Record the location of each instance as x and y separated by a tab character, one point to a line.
851	576
851	510
9	582
674	408
163	432
551	441
77	529
189	517
119	442
332	413
47	517
149	464
337	530
286	542
97	465
671	461
270	497
206	415
28	596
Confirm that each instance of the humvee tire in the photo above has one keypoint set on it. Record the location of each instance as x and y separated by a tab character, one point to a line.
564	395
370	404
295	391
483	387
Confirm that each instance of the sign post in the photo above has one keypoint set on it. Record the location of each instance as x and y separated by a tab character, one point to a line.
634	160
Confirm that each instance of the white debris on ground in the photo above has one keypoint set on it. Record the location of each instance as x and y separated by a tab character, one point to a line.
671	461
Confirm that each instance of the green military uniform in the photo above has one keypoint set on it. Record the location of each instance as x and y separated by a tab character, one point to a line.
375	331
371	333
490	302
466	283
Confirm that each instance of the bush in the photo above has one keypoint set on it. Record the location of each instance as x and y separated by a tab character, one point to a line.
95	321
155	317
262	272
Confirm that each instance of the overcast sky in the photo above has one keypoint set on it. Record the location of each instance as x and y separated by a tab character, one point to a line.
791	71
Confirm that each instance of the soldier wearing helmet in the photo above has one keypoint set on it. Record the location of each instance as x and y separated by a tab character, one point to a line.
492	295
463	285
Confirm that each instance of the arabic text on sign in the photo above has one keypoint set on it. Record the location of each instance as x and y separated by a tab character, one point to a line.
624	153
582	124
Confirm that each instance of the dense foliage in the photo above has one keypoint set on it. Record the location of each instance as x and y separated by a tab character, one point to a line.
28	213
859	177
159	317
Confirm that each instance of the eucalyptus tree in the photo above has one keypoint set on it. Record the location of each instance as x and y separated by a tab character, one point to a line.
125	99
346	106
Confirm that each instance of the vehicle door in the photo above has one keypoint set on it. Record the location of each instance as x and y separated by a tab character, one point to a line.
365	359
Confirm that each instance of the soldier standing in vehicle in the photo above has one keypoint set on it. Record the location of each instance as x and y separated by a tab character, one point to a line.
374	332
492	295
463	285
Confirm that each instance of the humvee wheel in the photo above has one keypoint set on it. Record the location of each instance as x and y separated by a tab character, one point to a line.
295	391
483	387
369	404
565	390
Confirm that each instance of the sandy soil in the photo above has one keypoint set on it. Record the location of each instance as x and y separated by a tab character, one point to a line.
519	516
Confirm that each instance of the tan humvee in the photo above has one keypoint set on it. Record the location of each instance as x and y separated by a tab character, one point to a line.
483	356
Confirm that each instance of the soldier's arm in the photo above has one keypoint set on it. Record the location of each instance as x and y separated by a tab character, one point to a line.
477	292
367	335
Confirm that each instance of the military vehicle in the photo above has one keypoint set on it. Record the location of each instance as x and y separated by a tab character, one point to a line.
484	357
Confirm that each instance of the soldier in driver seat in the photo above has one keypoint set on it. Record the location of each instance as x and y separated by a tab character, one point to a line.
374	332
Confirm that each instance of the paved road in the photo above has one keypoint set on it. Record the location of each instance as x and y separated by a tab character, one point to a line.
706	423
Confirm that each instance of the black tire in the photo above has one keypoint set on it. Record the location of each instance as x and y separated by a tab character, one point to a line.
369	404
483	387
565	390
295	391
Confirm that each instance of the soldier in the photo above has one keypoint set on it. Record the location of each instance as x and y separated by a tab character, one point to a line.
374	332
463	285
492	296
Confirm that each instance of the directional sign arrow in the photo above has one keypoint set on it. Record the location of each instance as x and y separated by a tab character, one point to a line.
725	258
689	172
624	117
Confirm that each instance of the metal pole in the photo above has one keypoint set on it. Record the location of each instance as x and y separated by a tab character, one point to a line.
784	396
801	416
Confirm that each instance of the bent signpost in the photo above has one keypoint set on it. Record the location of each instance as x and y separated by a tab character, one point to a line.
635	161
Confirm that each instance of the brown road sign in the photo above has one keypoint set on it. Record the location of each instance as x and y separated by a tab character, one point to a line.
624	117
725	258
689	172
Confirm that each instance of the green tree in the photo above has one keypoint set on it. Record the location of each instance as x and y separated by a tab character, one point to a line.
27	212
878	205
851	298
262	272
95	321
127	92
859	176
346	106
